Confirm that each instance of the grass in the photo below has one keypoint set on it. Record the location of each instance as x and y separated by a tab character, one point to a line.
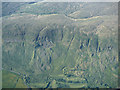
20	84
55	51
9	79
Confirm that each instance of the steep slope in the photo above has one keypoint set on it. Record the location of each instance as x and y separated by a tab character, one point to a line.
57	50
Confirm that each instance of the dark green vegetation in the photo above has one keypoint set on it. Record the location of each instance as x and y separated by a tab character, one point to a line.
61	45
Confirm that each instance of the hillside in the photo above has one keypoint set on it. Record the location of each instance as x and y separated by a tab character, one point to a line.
61	45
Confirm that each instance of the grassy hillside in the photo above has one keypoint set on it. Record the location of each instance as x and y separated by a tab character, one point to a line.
64	49
75	9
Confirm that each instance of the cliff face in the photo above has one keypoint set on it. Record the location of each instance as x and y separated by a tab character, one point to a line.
62	44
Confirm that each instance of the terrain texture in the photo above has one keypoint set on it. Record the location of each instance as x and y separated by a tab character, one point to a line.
60	45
